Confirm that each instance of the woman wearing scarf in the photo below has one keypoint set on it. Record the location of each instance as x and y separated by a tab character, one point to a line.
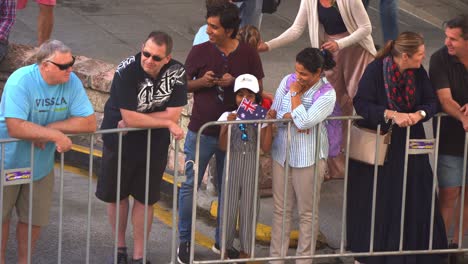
395	91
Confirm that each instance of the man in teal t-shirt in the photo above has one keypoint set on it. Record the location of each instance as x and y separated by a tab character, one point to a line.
40	103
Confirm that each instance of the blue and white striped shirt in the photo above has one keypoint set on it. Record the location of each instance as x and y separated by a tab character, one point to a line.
305	117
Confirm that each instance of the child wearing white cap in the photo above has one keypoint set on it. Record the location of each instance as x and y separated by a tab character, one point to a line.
242	159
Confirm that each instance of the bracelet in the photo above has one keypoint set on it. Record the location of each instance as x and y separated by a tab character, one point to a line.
394	115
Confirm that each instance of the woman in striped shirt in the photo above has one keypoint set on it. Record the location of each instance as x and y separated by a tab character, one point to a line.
296	101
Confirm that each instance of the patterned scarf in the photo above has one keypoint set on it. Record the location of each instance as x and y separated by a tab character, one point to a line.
400	87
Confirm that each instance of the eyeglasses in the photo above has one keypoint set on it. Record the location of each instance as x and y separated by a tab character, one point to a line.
243	129
63	67
154	57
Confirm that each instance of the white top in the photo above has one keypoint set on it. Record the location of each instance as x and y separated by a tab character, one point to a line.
354	17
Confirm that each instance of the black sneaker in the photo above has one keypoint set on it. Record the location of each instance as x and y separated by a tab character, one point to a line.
139	261
183	252
232	253
122	258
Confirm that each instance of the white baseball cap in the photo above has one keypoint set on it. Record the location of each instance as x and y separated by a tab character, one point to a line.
246	81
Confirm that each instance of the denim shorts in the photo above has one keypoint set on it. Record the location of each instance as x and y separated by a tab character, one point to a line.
450	171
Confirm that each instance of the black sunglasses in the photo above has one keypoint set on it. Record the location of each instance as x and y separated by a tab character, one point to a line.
63	67
154	57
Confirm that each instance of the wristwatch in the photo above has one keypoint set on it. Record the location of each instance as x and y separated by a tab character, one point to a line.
293	94
422	113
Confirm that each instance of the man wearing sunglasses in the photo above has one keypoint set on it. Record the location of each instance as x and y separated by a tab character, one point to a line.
149	90
211	70
39	104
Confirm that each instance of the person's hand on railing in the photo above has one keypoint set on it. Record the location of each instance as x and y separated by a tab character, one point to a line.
464	109
415	117
62	142
271	114
122	124
176	131
402	119
464	120
287	116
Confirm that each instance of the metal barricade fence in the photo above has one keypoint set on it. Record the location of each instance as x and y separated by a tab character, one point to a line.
341	252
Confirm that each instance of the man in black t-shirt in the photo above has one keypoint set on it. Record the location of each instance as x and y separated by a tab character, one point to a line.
449	76
149	90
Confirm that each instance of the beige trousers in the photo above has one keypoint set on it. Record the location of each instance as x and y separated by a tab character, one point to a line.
300	191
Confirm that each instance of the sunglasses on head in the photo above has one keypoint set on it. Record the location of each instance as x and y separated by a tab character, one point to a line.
63	67
154	57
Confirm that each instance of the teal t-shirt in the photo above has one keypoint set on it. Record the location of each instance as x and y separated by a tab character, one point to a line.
27	96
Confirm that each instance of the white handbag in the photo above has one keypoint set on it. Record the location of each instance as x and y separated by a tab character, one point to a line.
363	145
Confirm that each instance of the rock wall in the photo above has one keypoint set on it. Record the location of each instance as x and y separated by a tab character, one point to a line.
97	77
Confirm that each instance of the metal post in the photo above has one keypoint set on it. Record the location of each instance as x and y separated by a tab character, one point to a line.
403	195
255	197
60	209
174	202
345	191
31	189
374	189
434	182
117	198
285	193
145	228
225	192
90	198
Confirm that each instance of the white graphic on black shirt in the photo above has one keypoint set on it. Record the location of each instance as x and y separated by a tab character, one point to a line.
125	63
151	97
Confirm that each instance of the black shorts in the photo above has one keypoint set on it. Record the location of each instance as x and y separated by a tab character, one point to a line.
133	174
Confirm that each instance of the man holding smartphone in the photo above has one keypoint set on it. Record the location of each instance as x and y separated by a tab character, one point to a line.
211	70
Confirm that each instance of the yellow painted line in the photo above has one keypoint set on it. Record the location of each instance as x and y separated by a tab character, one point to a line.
85	150
162	214
165	216
170	179
262	232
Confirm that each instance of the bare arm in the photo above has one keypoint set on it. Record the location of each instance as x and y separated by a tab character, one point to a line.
140	120
223	132
22	129
451	107
171	113
267	132
76	124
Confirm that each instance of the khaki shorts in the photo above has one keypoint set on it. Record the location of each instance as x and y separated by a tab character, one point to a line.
18	196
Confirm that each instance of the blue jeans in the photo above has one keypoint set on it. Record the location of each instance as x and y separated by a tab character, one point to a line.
388	18
251	12
208	148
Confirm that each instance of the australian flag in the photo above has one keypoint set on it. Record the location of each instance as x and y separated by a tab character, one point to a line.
250	111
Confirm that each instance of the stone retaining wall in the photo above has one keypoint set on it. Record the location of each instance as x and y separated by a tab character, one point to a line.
97	77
